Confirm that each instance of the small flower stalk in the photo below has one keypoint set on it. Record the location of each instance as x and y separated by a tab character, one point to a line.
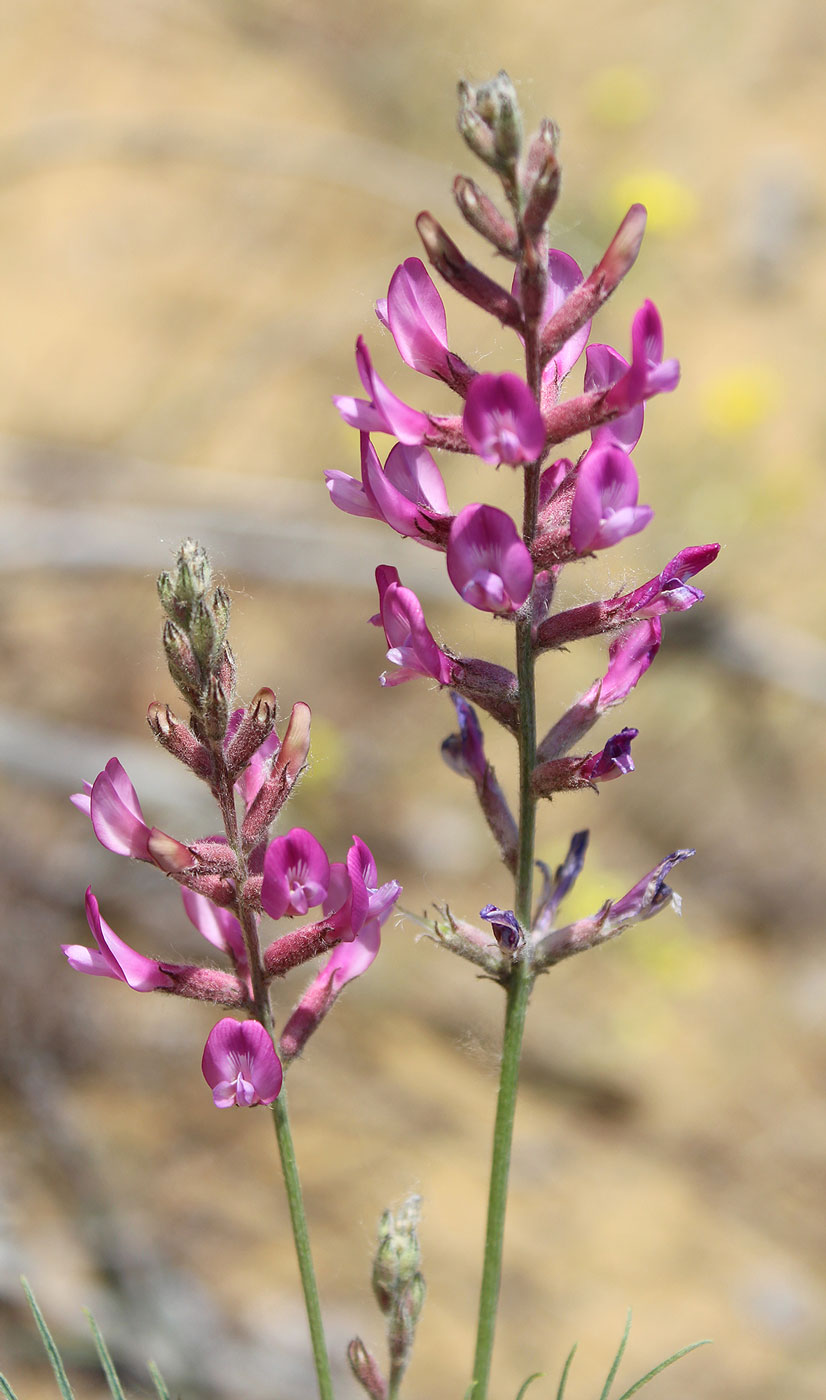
567	509
399	1289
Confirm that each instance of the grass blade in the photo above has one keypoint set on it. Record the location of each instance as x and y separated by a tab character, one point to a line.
535	1377
106	1363
49	1344
638	1385
160	1383
563	1379
617	1359
6	1390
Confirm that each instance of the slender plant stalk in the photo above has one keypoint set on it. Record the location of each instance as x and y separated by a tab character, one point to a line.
289	1167
301	1236
522	975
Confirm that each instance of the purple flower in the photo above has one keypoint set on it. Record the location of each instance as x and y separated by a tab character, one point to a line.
502	422
240	1064
649	895
411	645
613	761
565	877
564	274
604	509
465	752
408	493
296	874
113	958
506	927
117	820
380	898
218	926
648	373
415	316
669	591
487	562
382	412
604	367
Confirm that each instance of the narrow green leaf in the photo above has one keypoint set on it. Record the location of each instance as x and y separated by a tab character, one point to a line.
106	1362
6	1390
638	1385
160	1383
49	1345
468	1395
563	1379
617	1359
535	1377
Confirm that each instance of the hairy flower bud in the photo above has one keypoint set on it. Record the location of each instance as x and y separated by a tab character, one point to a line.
478	210
398	1256
178	739
451	262
184	667
256	725
491	123
365	1368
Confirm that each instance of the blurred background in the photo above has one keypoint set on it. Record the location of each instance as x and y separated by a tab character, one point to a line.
200	201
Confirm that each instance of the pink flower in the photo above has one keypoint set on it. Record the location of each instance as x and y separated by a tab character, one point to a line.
415	316
604	367
218	926
648	373
240	1064
629	657
117	820
382	412
296	874
411	645
486	560
564	274
670	591
604	509
113	958
408	493
502	422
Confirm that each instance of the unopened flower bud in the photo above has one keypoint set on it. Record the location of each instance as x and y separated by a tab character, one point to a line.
256	726
478	210
365	1369
194	573
183	664
168	599
220	613
178	739
202	633
398	1257
228	673
466	279
490	121
541	193
216	709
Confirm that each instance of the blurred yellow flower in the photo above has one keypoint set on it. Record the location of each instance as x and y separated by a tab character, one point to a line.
739	399
671	204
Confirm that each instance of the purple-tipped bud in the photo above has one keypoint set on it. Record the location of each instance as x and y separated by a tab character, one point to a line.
587	298
478	210
502	422
240	1064
605	509
178	739
542	186
365	1368
507	929
254	725
114	958
487	562
451	263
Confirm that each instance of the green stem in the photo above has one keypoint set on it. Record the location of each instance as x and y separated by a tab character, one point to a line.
302	1245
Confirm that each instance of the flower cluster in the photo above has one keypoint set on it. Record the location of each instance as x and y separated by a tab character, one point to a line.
570	509
229	881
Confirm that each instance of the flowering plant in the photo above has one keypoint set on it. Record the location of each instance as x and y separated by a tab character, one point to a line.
570	508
